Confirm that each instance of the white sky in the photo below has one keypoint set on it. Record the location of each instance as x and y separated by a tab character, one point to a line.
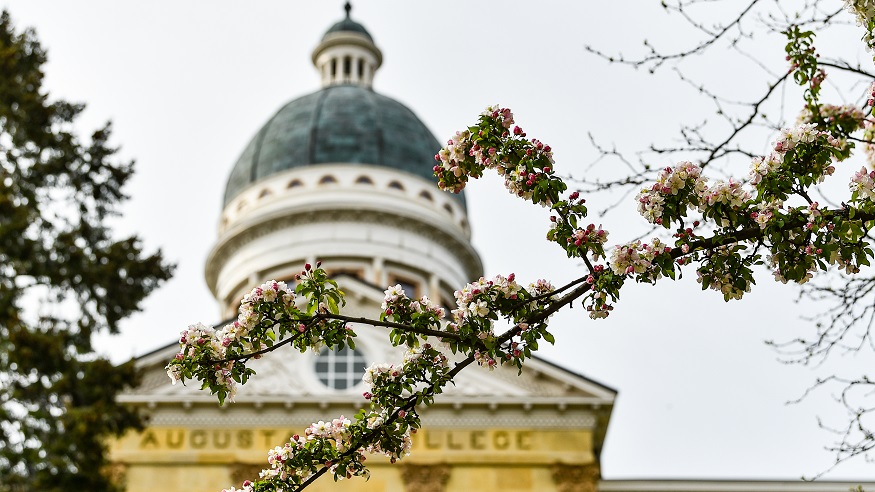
187	84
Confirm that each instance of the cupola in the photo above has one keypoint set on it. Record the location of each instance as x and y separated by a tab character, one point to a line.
343	175
347	54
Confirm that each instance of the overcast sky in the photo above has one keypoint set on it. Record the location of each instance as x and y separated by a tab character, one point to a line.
187	84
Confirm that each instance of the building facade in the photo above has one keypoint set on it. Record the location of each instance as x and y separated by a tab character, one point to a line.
344	175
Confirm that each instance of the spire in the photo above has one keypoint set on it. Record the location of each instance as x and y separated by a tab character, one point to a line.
347	7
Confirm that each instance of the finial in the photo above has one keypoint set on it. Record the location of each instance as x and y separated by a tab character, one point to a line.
347	7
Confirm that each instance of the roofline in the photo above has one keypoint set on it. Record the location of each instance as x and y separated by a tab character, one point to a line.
144	358
728	485
576	374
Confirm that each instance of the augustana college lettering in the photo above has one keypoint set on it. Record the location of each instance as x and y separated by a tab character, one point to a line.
189	439
211	438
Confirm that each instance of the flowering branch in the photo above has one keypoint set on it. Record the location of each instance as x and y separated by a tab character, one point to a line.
746	217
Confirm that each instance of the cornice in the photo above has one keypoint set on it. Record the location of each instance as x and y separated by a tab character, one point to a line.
233	240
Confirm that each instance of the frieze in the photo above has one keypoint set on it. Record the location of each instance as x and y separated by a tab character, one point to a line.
431	420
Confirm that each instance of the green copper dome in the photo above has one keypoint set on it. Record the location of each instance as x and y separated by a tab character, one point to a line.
346	124
348	25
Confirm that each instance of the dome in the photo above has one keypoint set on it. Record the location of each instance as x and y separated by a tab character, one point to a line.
348	25
347	124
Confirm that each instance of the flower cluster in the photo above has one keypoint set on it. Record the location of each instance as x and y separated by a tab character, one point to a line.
724	201
842	119
864	10
401	444
271	313
379	373
247	487
598	306
591	239
862	185
636	258
729	193
764	213
396	302
327	444
386	382
476	301
420	314
727	272
495	143
484	360
453	157
869	141
790	137
394	390
763	166
803	156
541	287
675	190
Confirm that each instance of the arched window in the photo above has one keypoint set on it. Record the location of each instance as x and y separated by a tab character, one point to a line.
294	183
396	185
340	369
426	195
327	179
364	180
265	192
448	208
347	66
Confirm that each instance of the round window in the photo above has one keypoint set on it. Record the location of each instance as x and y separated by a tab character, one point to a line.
340	369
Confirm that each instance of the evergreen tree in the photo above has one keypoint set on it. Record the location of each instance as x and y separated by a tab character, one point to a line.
63	278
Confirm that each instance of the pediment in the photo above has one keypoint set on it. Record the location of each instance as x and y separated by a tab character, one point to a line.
290	376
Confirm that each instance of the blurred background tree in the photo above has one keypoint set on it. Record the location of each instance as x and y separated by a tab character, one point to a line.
63	278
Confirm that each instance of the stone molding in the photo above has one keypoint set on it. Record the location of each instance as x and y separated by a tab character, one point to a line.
575	478
169	419
425	478
233	242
